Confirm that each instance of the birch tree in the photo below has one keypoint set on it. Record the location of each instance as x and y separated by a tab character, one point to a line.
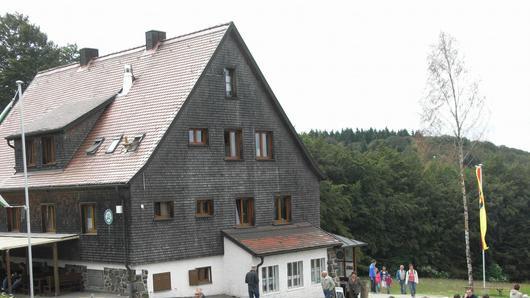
453	106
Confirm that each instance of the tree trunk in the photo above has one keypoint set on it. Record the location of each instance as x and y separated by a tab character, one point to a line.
466	215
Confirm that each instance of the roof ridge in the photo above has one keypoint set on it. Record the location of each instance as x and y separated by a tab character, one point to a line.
42	72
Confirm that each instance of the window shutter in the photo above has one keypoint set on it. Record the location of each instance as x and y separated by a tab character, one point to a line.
162	282
194	277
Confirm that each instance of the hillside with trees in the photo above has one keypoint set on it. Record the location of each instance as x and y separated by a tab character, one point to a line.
399	192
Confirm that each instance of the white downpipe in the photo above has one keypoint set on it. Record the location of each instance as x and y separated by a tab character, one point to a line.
26	192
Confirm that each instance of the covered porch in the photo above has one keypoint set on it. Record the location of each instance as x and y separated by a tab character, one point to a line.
44	280
342	259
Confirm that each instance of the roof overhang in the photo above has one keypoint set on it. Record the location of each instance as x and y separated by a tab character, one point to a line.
19	240
64	116
347	242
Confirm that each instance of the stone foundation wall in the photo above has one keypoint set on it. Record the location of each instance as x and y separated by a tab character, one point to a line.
116	281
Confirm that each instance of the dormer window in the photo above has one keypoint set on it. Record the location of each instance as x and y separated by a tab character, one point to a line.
48	150
230	82
94	148
31	152
133	145
113	145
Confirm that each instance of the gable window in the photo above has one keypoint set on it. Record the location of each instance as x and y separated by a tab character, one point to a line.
317	266
230	82
282	209
94	147
13	219
263	145
270	279
204	208
163	210
200	276
245	212
162	282
233	144
295	274
133	145
48	150
48	218
31	152
113	145
198	136
88	215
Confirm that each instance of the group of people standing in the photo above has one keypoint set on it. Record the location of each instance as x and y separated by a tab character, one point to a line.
381	280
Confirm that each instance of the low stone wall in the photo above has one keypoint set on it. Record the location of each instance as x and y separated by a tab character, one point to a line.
116	281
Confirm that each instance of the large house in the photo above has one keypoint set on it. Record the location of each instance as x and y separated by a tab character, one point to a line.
169	166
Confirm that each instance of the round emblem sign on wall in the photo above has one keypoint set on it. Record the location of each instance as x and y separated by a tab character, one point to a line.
109	218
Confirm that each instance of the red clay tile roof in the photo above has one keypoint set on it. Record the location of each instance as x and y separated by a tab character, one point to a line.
271	240
164	79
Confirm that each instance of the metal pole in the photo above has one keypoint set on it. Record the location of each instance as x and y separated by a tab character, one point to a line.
26	192
484	268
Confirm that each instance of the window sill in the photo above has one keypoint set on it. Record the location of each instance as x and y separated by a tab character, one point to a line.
264	159
49	164
90	234
297	288
233	159
281	223
197	145
163	219
203	215
233	97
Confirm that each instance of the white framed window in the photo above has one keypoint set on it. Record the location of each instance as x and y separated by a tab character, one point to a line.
270	279
230	82
317	266
295	274
263	140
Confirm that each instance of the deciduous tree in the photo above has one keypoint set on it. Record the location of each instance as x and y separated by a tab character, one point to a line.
453	106
25	50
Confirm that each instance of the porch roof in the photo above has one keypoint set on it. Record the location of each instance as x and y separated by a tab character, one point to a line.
19	240
274	240
347	242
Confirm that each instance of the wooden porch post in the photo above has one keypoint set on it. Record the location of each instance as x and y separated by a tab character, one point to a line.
354	259
56	270
8	269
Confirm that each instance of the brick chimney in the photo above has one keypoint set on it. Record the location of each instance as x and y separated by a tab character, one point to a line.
152	38
87	54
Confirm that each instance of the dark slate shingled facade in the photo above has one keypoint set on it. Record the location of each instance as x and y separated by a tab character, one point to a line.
172	170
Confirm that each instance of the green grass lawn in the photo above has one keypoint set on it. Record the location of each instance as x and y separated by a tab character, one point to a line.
450	287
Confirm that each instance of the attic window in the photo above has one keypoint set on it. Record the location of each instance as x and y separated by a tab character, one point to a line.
230	82
94	148
133	145
113	145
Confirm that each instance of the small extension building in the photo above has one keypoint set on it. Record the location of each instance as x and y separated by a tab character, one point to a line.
168	166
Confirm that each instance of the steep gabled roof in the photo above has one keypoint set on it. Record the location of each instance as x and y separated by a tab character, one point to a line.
164	79
312	163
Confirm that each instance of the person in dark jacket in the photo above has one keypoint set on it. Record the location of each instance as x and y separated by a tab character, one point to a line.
252	281
354	285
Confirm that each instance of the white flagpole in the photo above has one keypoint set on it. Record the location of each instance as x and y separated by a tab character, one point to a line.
26	192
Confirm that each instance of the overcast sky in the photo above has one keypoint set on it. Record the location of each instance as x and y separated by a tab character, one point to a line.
333	64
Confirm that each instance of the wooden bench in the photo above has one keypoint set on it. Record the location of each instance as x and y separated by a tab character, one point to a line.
68	282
